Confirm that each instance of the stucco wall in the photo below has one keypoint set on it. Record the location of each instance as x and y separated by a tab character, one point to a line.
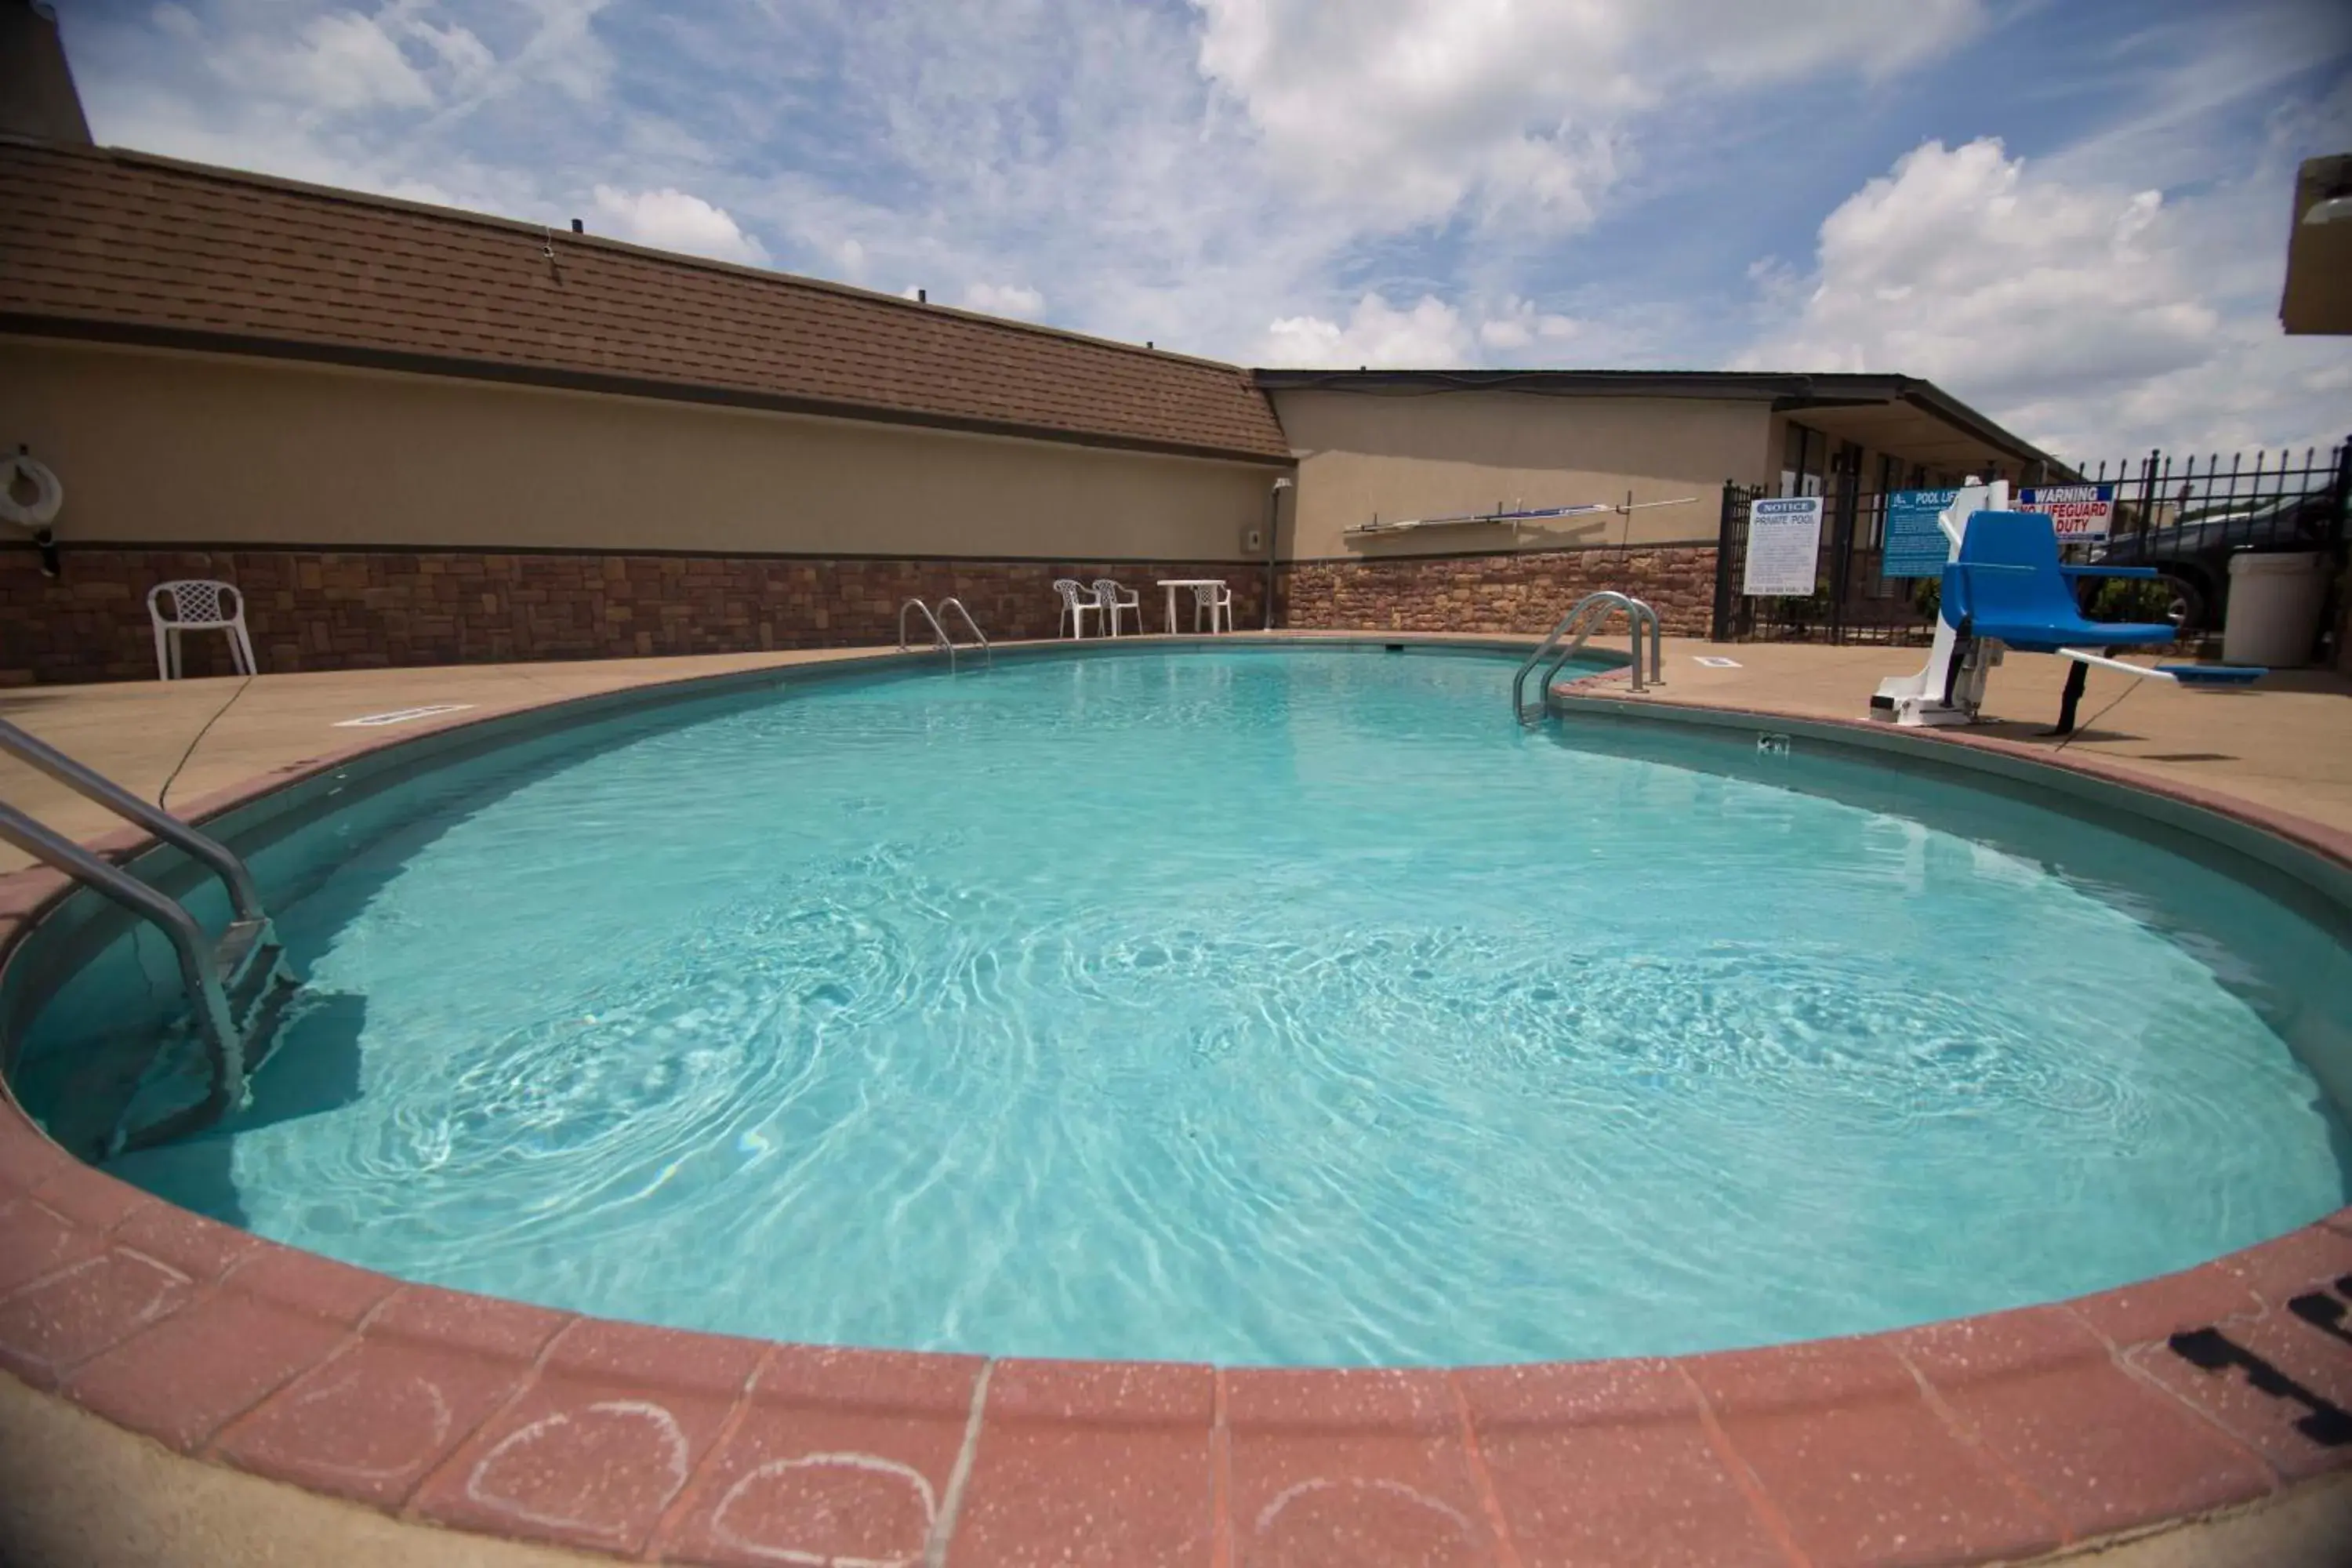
193	449
1456	452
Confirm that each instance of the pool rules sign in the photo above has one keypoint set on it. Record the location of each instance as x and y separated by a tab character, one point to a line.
1784	540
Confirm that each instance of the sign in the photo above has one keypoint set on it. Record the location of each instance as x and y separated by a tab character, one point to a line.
1784	542
1916	545
2080	513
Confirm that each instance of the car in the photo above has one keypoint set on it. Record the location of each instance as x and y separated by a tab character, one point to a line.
2193	553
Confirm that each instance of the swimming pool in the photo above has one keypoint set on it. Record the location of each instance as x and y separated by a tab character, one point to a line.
1254	1005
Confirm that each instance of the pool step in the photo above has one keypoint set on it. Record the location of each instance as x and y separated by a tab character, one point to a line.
258	984
172	1096
235	987
255	981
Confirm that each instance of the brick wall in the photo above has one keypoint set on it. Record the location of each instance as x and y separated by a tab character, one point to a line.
1526	591
346	610
359	609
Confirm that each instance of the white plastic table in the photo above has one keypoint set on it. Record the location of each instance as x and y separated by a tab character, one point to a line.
1172	584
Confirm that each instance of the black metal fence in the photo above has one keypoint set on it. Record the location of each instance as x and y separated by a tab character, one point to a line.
2185	516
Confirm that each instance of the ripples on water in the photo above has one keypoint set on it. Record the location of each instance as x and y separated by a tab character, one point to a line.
1270	1008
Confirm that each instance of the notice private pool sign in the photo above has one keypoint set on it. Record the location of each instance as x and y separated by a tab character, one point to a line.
1784	542
2080	513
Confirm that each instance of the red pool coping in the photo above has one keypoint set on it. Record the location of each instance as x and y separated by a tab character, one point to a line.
1996	1437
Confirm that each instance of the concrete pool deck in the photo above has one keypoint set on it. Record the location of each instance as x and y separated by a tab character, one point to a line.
179	1392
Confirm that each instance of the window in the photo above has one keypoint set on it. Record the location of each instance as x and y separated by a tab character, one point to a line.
1801	461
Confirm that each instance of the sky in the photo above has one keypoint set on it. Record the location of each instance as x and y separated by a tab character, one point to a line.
2070	213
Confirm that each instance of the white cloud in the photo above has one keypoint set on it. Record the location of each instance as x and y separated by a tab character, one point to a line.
562	50
675	220
341	64
390	98
1064	146
1405	111
1005	299
2186	70
178	21
342	61
2092	319
1376	334
1519	325
1503	333
467	56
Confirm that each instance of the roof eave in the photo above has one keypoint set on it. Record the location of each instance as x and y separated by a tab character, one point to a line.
1735	386
1934	400
1787	391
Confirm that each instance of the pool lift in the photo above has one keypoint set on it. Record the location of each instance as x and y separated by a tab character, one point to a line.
2004	587
236	986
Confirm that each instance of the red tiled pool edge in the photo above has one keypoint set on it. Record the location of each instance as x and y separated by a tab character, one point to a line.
2002	1437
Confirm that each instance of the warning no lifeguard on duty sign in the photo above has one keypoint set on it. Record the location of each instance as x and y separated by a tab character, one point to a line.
2078	513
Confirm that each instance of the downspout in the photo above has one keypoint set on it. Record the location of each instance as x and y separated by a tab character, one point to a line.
1272	532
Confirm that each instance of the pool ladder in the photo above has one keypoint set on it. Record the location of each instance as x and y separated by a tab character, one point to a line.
939	639
236	986
1591	614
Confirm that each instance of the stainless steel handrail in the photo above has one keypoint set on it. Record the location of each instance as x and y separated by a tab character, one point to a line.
199	972
1584	622
939	633
246	968
988	653
939	639
243	897
1657	646
1637	611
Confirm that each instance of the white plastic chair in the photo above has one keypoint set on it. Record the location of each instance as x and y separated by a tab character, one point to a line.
1107	594
1212	599
1078	601
198	605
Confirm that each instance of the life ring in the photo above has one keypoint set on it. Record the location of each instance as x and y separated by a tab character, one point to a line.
49	494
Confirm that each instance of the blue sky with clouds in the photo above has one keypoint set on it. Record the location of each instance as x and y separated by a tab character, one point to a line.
2071	213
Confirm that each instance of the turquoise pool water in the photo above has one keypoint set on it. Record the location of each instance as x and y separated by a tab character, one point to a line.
1266	1006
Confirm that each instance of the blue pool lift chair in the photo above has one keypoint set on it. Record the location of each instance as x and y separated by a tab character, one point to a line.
2007	585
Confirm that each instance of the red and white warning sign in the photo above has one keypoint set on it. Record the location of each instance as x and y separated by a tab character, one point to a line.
2080	513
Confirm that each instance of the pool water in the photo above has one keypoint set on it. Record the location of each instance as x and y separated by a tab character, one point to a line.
1261	1006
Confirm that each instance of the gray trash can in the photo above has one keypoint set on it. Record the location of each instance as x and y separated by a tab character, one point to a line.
2275	602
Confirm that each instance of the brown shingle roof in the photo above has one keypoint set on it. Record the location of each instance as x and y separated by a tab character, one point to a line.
125	247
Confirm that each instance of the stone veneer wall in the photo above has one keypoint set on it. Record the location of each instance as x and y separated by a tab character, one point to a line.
1523	591
363	609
